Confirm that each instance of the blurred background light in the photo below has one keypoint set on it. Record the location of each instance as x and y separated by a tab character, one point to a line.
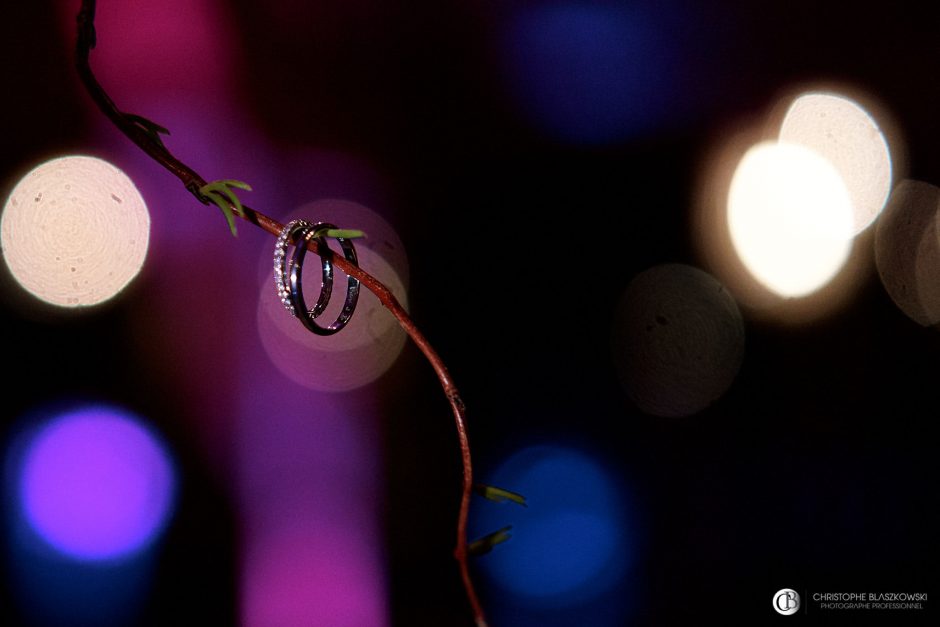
89	491
576	540
790	218
140	63
96	483
843	132
75	231
319	573
310	490
678	340
587	72
907	250
372	340
720	253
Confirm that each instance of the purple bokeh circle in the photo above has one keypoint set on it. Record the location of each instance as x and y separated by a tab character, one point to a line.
96	484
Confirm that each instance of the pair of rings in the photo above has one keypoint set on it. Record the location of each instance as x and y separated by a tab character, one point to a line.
288	272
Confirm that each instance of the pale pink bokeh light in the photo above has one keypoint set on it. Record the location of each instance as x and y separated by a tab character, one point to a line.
371	342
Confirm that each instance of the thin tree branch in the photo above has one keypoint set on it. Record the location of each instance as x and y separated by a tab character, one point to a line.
147	141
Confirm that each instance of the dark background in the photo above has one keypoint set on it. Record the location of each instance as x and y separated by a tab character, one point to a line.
818	467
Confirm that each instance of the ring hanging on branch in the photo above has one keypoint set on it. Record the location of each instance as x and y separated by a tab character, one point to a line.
288	272
146	135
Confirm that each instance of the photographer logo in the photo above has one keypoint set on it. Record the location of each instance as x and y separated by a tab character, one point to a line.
787	602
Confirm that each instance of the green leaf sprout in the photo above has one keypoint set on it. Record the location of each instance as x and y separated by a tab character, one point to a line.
485	544
498	494
220	192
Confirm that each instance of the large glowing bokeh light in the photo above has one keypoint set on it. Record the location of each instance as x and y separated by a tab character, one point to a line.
75	231
843	132
790	218
574	541
96	484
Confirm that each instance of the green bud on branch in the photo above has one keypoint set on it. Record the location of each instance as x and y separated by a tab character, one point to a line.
220	192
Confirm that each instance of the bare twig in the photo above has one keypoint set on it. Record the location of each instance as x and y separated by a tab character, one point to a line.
142	134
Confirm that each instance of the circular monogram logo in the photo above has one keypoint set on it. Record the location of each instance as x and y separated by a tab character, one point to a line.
787	602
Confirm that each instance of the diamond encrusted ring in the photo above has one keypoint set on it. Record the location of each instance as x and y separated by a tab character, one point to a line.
285	237
288	273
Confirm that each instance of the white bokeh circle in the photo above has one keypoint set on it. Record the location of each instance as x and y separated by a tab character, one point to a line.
840	130
790	218
75	231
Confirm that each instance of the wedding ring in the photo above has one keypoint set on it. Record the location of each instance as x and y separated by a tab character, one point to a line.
285	237
288	274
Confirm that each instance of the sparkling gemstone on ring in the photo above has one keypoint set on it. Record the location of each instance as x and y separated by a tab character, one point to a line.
280	256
